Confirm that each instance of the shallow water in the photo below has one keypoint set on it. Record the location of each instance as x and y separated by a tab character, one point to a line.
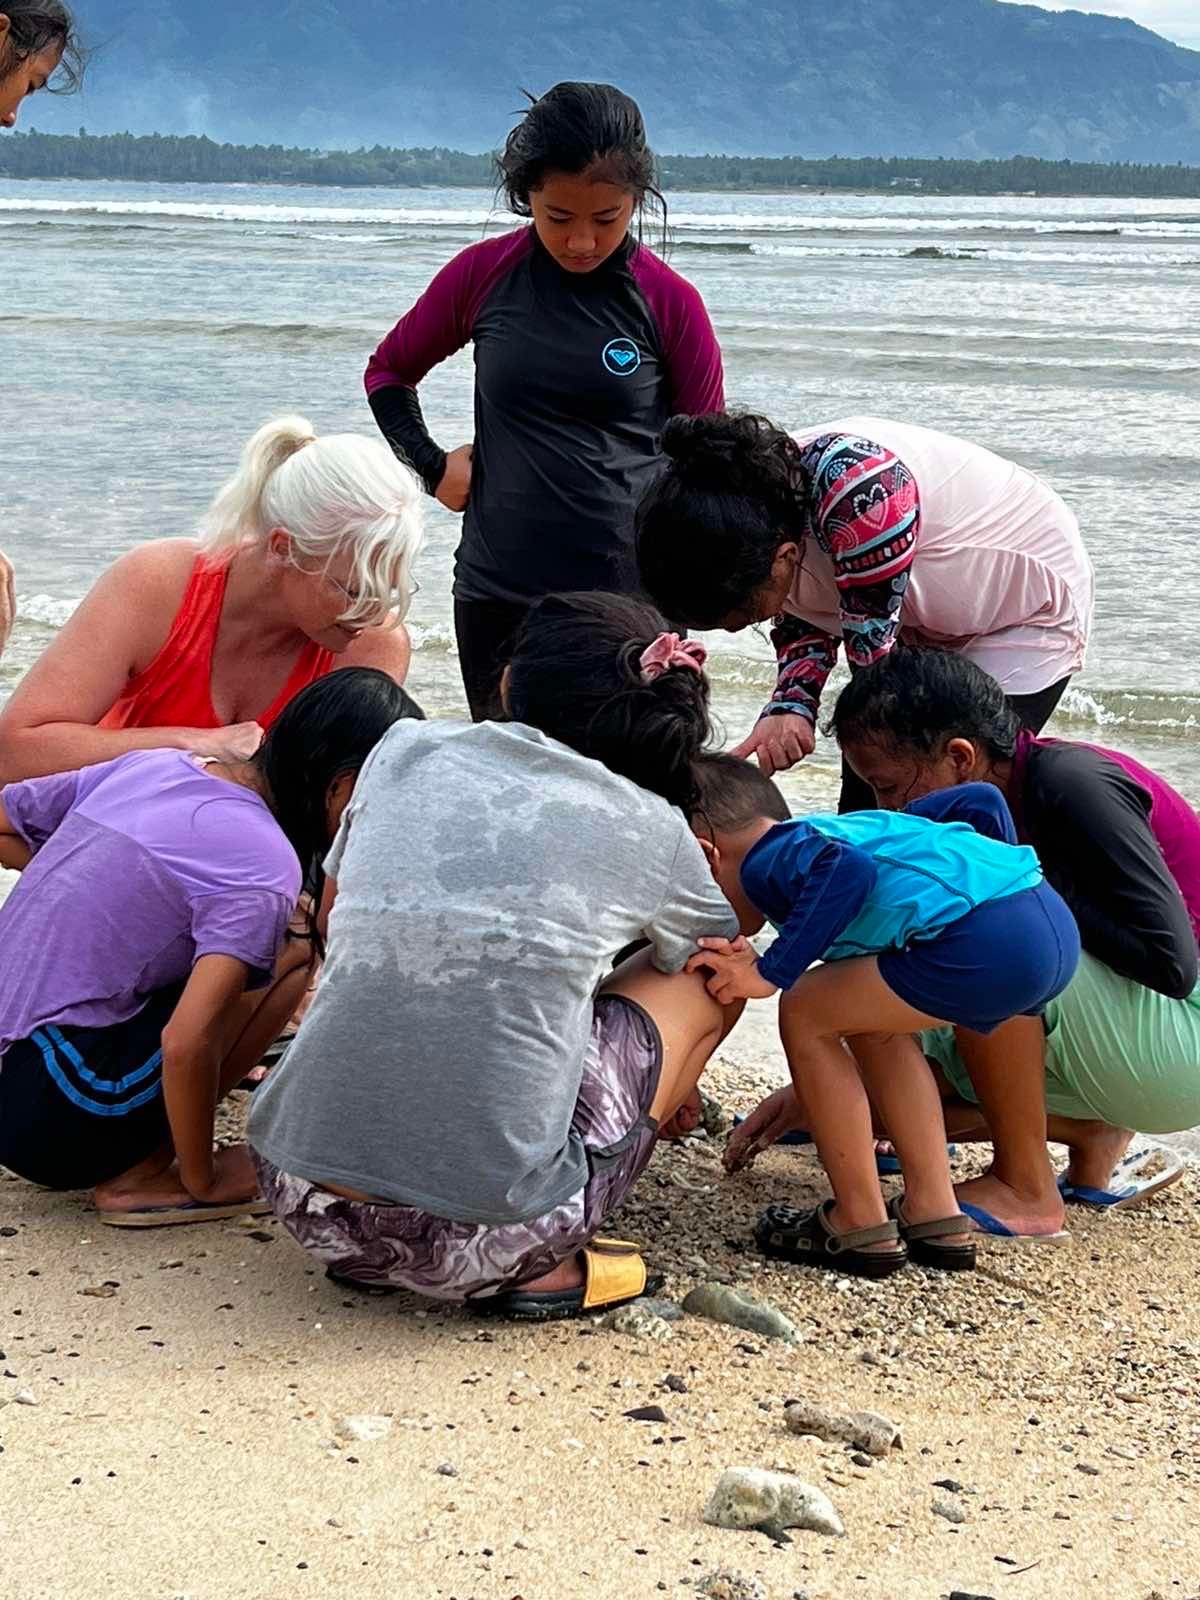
155	326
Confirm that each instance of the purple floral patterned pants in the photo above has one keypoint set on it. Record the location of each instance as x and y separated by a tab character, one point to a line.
409	1249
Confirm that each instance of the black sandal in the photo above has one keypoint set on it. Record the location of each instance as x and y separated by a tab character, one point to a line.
928	1242
806	1238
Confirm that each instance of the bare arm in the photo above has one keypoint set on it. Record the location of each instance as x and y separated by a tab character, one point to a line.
50	723
194	1043
14	852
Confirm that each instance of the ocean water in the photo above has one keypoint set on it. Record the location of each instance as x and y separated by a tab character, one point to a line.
146	330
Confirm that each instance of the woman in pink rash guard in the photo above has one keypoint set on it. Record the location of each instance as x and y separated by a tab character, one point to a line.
586	343
863	532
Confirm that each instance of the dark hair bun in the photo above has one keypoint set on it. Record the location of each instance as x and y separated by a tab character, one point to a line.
737	451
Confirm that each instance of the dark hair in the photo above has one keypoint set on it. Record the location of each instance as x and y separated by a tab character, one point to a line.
576	675
914	701
37	25
708	527
576	128
733	793
327	731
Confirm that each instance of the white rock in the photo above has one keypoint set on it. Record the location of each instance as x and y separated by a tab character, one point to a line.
746	1497
364	1429
24	1397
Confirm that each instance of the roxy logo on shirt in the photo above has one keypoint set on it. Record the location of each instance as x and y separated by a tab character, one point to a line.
622	357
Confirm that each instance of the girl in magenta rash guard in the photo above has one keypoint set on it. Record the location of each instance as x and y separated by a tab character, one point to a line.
585	344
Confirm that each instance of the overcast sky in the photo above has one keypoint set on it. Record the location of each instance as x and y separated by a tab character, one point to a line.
1174	19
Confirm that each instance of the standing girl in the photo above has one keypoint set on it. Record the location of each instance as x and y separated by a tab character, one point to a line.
585	344
142	972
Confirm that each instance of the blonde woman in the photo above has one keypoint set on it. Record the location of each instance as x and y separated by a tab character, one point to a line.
303	565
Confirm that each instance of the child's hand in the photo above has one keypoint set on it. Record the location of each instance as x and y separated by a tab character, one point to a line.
734	969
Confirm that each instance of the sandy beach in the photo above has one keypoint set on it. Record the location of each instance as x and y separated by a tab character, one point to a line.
190	1390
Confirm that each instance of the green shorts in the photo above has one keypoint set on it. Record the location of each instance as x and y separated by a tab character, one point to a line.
1116	1052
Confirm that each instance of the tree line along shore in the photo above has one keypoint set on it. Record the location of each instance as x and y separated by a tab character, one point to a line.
167	158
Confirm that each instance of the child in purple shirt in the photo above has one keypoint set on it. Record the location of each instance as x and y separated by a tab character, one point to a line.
142	972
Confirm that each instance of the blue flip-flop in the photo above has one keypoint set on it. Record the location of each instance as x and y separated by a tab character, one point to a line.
993	1229
1167	1169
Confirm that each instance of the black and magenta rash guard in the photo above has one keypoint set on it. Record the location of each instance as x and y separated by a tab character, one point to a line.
575	377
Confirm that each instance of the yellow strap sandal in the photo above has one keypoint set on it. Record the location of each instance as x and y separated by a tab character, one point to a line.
614	1273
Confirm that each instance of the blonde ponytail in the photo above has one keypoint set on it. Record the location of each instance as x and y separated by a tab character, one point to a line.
236	514
330	495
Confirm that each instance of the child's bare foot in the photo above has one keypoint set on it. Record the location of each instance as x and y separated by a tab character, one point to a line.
568	1274
1026	1215
1095	1150
152	1191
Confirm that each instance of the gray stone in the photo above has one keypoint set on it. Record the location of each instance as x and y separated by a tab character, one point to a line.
746	1497
447	1470
640	1323
24	1397
949	1510
720	1303
730	1586
864	1430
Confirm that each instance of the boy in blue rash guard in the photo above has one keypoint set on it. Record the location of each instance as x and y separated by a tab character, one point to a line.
933	912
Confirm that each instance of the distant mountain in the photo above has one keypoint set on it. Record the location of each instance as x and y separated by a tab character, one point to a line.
967	78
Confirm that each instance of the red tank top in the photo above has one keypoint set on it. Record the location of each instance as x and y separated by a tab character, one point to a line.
175	690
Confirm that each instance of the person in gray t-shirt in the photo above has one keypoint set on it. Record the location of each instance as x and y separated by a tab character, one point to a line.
468	1098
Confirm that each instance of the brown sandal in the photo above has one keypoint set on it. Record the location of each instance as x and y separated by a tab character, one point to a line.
806	1238
928	1242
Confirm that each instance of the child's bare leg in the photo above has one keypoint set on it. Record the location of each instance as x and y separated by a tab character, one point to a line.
839	1117
1007	1071
905	1093
849	998
255	1021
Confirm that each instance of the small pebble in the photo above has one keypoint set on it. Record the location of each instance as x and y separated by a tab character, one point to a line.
1087	1469
949	1510
730	1586
364	1429
447	1470
638	1323
24	1397
647	1414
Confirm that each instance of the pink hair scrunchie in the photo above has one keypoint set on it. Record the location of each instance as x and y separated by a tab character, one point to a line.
668	651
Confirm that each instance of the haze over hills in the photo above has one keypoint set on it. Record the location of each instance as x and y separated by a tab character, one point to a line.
969	78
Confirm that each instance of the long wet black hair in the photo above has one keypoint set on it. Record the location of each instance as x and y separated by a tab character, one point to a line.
576	675
709	527
913	702
325	733
37	25
576	128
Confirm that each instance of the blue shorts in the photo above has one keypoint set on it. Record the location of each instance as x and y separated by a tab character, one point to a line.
79	1106
1007	958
